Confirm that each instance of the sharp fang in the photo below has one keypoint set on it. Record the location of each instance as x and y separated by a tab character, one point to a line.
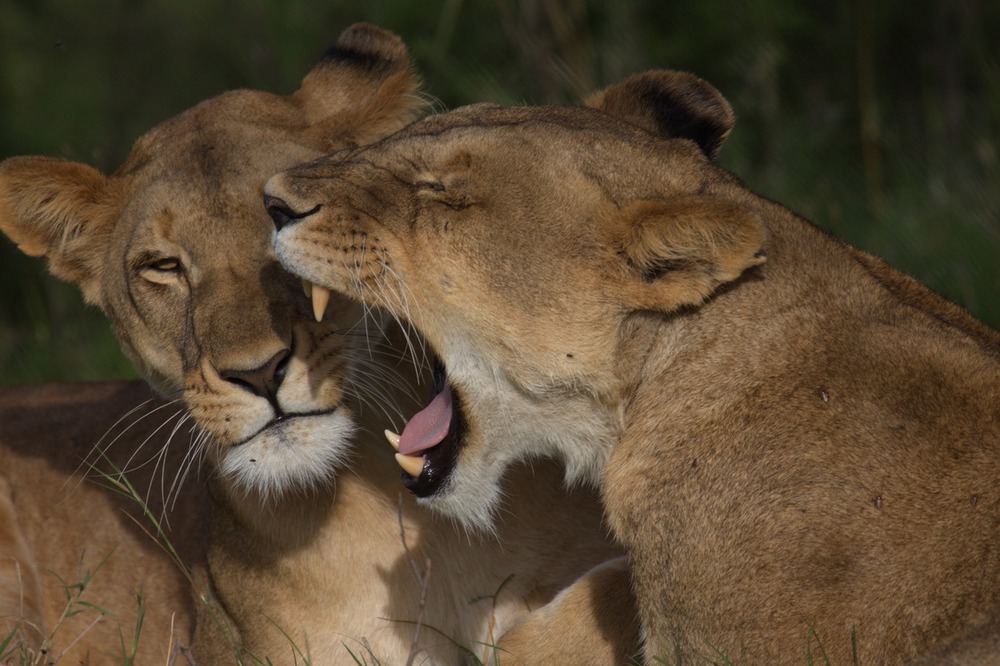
320	299
307	288
412	465
393	439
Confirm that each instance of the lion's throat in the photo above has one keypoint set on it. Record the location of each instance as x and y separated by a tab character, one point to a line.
429	426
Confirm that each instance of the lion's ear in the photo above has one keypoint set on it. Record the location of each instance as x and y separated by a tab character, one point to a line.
670	104
677	252
365	80
61	210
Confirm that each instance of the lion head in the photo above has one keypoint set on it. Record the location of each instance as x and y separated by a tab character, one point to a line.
489	225
175	249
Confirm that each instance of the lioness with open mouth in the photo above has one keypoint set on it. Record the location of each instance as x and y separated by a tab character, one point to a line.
798	445
305	558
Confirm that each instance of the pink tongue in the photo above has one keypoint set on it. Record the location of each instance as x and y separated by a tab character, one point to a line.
428	426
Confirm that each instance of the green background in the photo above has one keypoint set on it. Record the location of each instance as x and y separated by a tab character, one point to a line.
878	120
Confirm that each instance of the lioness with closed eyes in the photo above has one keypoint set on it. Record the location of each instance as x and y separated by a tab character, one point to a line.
797	445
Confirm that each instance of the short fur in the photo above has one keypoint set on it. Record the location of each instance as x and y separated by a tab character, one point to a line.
798	445
78	558
592	622
303	548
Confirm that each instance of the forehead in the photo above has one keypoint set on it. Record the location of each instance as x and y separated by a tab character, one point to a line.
236	133
526	146
555	139
205	169
557	123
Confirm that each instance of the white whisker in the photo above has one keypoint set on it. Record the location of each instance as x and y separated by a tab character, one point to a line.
191	460
100	449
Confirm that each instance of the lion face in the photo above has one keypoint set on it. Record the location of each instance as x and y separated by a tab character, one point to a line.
521	243
176	250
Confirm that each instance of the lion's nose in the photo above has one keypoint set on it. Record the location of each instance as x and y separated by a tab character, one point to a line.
283	214
263	381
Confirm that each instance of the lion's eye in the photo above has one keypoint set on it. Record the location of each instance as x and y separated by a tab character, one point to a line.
163	270
169	265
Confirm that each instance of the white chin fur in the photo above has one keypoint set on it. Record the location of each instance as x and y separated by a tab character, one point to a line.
297	454
471	496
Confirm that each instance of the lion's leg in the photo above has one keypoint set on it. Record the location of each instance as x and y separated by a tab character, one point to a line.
591	622
20	588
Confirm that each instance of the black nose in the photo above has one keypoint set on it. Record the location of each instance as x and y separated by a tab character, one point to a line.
283	214
263	381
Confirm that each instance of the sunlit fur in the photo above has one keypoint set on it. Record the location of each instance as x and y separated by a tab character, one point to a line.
797	444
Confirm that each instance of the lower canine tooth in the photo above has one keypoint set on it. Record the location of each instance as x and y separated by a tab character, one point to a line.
412	465
320	299
393	439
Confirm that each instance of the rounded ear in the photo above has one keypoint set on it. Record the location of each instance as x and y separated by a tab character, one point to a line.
365	81
670	104
678	252
61	210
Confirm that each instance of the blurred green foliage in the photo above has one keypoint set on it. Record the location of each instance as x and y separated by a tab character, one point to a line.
880	121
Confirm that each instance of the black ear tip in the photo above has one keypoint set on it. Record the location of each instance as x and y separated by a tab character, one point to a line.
672	104
367	47
685	106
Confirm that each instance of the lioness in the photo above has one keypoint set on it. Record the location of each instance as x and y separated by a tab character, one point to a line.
797	444
305	555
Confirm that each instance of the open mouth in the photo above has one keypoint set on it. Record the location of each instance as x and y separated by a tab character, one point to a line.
428	446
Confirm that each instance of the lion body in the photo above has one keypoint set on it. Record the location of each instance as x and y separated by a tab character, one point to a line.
78	541
797	445
299	534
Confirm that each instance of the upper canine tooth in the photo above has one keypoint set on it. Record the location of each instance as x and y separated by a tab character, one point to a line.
320	299
412	465
393	439
307	288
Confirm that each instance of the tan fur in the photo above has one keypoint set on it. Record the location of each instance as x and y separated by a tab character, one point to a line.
798	445
303	551
83	549
597	612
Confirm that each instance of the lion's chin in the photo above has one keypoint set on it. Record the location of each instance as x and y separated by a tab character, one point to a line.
292	455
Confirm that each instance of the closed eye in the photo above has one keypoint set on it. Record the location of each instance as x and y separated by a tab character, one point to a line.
168	265
161	270
430	184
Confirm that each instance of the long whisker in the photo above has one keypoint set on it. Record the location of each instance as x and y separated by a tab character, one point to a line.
97	446
128	467
386	297
399	291
370	393
191	460
165	492
100	449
